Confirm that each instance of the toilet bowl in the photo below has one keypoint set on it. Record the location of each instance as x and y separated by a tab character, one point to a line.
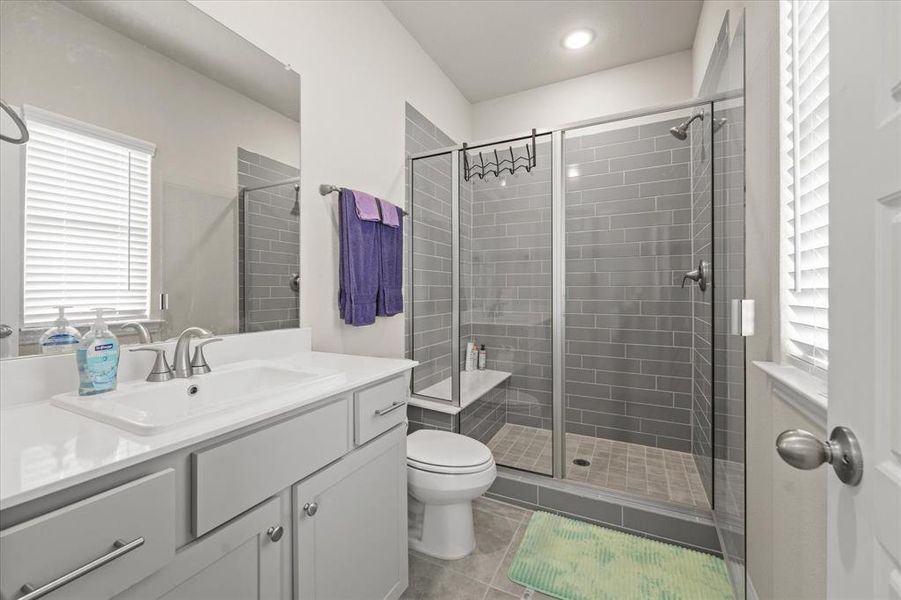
445	473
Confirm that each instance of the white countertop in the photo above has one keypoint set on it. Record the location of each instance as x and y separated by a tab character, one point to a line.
44	449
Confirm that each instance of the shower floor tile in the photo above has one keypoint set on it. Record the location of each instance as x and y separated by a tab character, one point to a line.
654	473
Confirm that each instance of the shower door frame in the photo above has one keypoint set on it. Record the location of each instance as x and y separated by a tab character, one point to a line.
558	258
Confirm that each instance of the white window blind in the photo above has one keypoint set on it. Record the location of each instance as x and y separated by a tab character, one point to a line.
804	147
87	221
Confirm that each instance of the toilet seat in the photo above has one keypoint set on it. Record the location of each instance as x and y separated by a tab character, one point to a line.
445	452
444	470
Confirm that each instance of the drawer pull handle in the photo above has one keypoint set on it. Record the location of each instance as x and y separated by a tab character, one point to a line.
310	508
121	548
388	409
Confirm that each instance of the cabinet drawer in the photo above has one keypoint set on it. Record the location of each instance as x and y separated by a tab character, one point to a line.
379	408
239	474
62	546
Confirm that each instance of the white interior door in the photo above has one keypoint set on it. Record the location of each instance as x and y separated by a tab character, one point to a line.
864	522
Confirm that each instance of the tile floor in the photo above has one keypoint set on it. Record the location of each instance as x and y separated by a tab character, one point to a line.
621	466
483	574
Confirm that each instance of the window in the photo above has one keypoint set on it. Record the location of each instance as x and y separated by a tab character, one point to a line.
804	157
87	221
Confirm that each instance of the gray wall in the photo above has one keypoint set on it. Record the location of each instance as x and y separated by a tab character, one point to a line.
482	419
430	218
702	307
269	245
511	289
428	226
628	324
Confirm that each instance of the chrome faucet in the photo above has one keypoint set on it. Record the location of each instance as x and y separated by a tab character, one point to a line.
143	334
184	366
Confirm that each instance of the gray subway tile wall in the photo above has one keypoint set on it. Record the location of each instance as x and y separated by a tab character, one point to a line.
628	323
702	302
481	420
423	418
269	245
429	230
509	299
428	294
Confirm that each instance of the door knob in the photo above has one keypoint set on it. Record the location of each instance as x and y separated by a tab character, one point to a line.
701	275
310	508
5	330
803	450
275	532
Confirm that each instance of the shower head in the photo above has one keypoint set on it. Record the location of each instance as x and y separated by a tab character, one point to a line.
680	131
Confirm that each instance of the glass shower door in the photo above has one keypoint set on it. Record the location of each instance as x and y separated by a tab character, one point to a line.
506	305
430	286
637	344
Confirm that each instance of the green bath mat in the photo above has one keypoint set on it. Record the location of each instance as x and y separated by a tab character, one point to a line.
573	560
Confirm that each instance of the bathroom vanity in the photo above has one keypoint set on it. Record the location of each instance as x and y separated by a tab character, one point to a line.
281	498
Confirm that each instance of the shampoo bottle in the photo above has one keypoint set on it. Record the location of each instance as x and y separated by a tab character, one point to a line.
483	358
62	338
98	359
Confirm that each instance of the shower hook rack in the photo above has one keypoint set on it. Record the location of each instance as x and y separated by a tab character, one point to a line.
500	165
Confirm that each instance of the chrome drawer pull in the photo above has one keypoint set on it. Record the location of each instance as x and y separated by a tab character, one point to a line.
121	549
388	409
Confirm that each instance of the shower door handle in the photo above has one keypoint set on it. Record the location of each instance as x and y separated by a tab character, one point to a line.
701	275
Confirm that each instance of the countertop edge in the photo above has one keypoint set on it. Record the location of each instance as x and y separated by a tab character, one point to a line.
240	423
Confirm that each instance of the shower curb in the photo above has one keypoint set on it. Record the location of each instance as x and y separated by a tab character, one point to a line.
689	528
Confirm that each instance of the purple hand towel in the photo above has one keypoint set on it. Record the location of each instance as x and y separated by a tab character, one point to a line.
390	214
367	207
358	275
391	263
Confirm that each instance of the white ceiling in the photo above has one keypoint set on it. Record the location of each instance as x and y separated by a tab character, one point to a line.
189	36
491	48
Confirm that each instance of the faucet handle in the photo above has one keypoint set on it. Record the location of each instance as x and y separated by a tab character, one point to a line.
161	371
199	365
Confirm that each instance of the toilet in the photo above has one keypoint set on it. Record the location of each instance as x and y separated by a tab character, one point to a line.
445	473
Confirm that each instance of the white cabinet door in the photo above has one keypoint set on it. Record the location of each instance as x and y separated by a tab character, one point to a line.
864	522
237	561
351	525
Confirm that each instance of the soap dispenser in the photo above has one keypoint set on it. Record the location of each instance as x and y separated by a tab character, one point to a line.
98	358
62	338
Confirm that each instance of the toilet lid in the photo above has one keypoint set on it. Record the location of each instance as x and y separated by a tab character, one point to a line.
445	449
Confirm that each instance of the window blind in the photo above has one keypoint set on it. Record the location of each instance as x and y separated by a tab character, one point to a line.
804	145
87	221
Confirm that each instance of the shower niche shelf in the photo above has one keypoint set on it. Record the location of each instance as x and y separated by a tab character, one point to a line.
473	385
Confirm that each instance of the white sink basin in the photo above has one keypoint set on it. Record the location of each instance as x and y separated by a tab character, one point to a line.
149	408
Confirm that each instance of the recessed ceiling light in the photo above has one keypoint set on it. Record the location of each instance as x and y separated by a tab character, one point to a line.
578	39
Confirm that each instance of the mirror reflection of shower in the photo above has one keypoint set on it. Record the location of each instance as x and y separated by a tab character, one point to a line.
269	231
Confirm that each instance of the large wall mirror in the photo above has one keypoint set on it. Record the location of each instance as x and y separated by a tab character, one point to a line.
160	178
